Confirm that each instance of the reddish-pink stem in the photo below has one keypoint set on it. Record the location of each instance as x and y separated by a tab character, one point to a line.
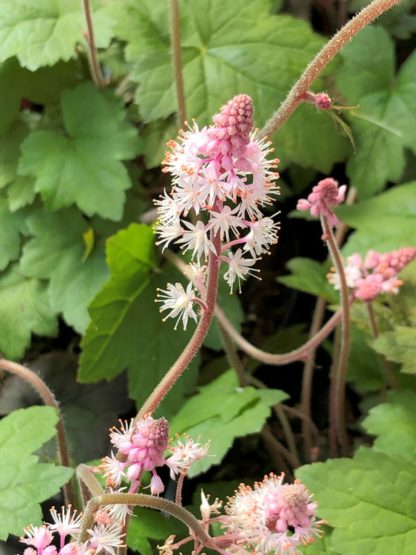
321	60
182	363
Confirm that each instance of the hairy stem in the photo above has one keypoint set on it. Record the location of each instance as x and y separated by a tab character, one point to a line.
177	61
182	363
271	442
94	64
391	379
49	399
339	376
90	486
317	319
143	500
278	359
322	59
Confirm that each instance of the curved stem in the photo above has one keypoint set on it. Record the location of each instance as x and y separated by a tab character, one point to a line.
339	376
182	363
95	68
143	500
177	60
278	359
49	399
322	59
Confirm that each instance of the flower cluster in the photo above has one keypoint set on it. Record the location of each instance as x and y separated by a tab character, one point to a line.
222	178
272	517
103	538
374	274
141	447
325	196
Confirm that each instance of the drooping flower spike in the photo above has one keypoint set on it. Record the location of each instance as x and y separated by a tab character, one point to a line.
220	175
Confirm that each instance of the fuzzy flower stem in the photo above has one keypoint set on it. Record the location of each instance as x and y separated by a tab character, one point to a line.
143	500
278	359
244	380
177	60
321	60
90	486
192	348
95	68
49	399
339	376
309	366
179	486
391	379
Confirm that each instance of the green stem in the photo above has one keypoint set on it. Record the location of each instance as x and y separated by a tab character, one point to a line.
322	59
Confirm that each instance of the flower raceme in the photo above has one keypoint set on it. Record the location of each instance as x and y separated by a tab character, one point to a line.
375	274
325	196
222	178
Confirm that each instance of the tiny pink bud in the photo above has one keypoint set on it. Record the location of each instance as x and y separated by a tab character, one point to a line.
156	485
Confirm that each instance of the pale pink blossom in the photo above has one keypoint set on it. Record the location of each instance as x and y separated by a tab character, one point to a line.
184	454
239	268
325	196
106	538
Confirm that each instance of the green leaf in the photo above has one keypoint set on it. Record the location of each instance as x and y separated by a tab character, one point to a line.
57	252
151	525
11	226
25	310
369	500
237	411
399	345
229	48
309	276
399	438
83	165
126	329
365	368
385	121
41	32
25	483
385	222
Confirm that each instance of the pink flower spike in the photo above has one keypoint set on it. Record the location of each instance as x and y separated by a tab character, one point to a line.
325	196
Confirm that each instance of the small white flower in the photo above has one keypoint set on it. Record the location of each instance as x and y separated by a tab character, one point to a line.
184	454
66	522
263	233
119	437
225	221
239	268
113	470
197	239
106	538
179	302
168	233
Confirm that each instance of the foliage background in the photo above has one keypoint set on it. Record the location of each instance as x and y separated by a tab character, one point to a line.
79	168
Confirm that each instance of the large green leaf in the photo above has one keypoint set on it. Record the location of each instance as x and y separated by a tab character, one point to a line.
228	48
11	227
369	500
385	121
385	222
365	368
394	424
42	32
223	405
24	481
57	251
83	165
399	345
126	329
309	276
25	309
